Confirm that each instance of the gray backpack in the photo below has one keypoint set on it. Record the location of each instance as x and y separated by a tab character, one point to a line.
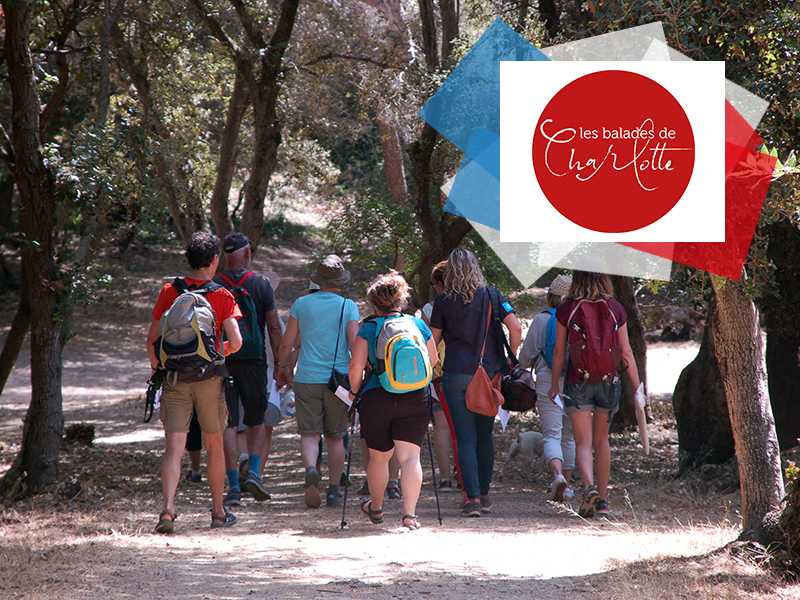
186	346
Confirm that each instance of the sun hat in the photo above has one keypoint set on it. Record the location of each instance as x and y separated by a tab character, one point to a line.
236	241
591	263
560	285
331	273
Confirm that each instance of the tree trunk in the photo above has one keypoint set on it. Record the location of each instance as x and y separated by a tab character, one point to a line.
6	201
441	231
110	17
782	310
741	363
700	406
624	293
228	151
393	167
263	80
16	337
42	430
549	13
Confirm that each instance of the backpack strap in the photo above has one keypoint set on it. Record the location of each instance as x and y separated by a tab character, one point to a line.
179	284
338	334
552	313
230	281
208	286
502	343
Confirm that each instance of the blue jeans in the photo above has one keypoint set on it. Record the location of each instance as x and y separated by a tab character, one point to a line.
473	436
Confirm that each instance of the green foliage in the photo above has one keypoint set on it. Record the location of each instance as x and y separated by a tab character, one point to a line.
372	229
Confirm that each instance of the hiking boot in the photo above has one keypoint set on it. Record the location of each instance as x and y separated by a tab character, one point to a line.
445	485
602	508
333	499
311	496
486	504
233	498
557	488
364	489
590	499
569	493
253	485
393	491
195	478
472	509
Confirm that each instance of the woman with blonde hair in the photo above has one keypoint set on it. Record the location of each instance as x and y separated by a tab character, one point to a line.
391	421
591	397
460	317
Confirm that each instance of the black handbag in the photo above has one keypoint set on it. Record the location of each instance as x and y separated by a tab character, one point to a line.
518	389
517	384
337	378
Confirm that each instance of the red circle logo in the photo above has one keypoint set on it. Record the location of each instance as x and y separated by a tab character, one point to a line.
613	151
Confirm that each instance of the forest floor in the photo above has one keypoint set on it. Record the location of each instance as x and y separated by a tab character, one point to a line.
94	538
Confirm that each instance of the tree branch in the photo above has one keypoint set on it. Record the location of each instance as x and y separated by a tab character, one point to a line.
247	24
215	28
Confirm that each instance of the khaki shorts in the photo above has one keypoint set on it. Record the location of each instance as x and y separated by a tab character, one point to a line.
207	397
319	410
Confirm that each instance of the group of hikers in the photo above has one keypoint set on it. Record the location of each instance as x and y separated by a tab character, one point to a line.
211	334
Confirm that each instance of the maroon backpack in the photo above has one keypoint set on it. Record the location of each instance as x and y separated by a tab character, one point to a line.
593	350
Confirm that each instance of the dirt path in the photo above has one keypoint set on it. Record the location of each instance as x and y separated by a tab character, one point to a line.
99	542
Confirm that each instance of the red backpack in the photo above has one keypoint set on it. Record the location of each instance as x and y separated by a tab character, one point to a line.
593	350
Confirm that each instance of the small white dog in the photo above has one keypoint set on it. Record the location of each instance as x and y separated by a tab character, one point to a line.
531	445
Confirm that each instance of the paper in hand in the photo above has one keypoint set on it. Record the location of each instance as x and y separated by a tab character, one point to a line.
559	403
639	404
344	396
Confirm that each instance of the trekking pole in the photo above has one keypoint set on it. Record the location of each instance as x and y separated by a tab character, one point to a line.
430	451
354	409
349	459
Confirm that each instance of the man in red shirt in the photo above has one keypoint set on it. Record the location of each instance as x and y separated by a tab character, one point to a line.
206	396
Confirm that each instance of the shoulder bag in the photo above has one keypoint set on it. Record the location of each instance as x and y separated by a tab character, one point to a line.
517	385
483	394
337	378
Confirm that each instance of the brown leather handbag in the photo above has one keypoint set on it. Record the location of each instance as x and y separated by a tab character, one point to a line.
483	395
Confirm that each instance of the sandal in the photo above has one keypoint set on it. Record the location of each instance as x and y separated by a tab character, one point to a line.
224	520
166	525
414	524
371	513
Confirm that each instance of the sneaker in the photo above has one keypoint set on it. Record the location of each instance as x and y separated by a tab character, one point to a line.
486	504
557	488
194	477
233	498
445	485
602	508
569	494
344	481
334	499
364	489
312	497
254	485
244	467
393	491
590	499
472	509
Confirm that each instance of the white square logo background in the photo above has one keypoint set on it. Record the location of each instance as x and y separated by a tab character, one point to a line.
525	90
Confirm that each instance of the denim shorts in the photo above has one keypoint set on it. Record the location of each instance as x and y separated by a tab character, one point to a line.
600	396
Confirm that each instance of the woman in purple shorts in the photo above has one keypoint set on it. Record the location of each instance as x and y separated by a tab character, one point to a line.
390	422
